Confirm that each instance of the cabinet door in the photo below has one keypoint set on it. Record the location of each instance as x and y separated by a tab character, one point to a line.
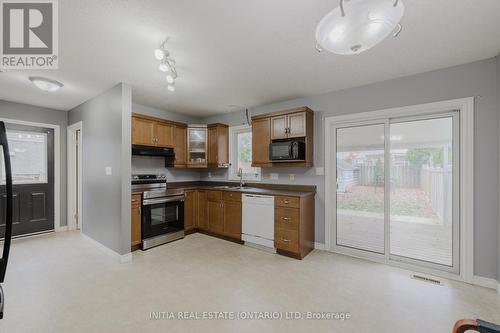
278	127
222	145
189	210
142	132
215	217
212	146
261	138
164	134
202	222
180	143
232	219
297	125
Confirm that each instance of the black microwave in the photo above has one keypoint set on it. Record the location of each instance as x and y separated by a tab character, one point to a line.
290	150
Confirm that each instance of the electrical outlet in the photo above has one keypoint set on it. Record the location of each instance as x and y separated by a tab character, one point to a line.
320	171
274	176
292	176
108	171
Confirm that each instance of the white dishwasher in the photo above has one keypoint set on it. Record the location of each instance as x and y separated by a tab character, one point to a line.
258	220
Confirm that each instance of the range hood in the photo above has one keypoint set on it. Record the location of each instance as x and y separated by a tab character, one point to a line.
167	153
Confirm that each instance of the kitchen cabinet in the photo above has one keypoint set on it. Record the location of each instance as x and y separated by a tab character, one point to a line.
224	213
279	127
202	222
180	146
190	211
143	132
218	145
136	222
261	138
294	225
288	126
197	146
296	123
164	134
215	213
149	131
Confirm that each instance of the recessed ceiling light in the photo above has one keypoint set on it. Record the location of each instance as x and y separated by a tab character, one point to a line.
46	84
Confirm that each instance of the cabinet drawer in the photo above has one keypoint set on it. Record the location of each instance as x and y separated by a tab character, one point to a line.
214	195
231	196
287	240
286	218
282	201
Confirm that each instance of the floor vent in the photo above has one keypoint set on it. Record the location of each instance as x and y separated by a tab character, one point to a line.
426	279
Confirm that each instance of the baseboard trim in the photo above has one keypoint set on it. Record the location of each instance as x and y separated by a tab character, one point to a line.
319	246
486	283
122	258
62	228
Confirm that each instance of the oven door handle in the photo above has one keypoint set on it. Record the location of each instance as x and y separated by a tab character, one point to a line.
148	202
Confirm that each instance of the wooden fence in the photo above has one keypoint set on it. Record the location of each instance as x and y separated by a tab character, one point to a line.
401	176
437	184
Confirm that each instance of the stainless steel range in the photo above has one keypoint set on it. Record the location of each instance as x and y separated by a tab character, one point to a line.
162	210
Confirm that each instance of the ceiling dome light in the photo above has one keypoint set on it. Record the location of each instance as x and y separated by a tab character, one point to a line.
358	25
46	84
159	54
171	87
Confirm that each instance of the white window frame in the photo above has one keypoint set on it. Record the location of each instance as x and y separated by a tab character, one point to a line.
233	155
465	107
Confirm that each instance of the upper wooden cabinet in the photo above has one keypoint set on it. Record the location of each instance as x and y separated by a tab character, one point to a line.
286	126
149	131
164	134
279	127
143	132
261	138
218	145
180	146
289	124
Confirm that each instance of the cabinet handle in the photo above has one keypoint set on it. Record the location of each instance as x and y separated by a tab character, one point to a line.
285	218
285	240
286	202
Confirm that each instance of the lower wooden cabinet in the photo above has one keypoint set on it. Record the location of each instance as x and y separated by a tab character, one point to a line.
136	222
232	219
202	222
215	215
190	211
224	213
294	225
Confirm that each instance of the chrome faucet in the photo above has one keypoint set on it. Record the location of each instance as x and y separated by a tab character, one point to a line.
240	174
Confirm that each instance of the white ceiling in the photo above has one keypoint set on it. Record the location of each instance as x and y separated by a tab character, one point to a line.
244	53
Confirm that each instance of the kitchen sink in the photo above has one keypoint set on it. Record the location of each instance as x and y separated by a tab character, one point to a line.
226	187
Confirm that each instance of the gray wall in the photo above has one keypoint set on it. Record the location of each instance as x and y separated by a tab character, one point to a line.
106	142
24	112
157	165
478	78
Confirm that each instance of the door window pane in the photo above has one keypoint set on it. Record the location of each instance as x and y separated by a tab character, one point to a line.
28	156
360	187
421	212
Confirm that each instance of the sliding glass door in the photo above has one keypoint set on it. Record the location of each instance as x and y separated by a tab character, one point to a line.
397	190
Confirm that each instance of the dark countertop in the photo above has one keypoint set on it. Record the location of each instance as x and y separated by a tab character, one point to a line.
251	188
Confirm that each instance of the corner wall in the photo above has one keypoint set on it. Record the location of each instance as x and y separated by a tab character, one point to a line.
106	141
473	79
